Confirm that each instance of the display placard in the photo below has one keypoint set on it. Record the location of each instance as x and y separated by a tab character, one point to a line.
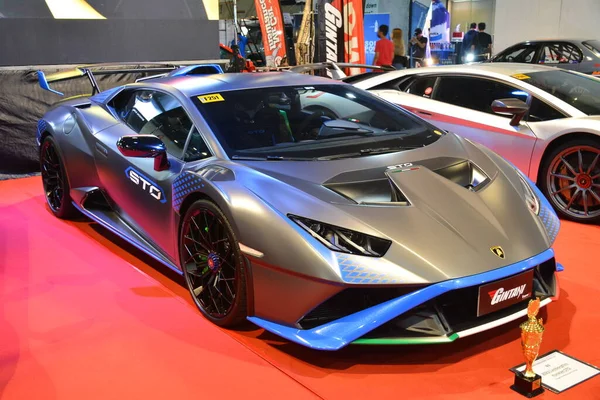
560	372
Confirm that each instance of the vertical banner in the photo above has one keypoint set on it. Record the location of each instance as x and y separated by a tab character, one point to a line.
440	23
271	26
372	24
341	33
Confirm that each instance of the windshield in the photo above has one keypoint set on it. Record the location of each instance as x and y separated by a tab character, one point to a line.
579	91
310	122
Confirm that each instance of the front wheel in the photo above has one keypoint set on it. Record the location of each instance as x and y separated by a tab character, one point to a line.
570	179
212	264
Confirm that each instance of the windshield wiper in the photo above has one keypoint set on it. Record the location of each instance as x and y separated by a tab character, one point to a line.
368	152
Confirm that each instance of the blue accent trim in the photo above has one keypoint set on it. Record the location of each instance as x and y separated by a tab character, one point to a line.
163	198
339	333
44	83
128	239
559	267
186	183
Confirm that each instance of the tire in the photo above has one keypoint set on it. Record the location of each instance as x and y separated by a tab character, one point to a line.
55	181
213	265
570	179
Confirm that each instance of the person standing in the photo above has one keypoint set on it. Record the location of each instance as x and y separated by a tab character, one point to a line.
400	60
242	41
484	41
470	44
384	48
418	48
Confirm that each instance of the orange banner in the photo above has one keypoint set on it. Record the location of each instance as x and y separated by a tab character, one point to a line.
354	34
271	26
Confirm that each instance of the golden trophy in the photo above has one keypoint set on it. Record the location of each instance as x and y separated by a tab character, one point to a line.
529	383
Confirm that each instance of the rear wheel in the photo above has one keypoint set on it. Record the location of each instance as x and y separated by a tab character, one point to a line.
54	179
571	180
212	264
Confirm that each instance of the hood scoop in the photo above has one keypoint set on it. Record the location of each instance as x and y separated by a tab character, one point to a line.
379	187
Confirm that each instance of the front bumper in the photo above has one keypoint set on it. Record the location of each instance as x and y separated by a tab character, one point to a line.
362	327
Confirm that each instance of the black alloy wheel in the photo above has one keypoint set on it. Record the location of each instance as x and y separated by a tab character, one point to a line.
571	180
212	264
54	179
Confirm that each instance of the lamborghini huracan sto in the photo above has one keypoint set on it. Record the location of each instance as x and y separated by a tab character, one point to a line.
370	226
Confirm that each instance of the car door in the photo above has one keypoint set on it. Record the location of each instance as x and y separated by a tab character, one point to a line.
561	54
140	194
467	111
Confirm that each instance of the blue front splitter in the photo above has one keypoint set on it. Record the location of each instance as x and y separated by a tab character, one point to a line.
339	333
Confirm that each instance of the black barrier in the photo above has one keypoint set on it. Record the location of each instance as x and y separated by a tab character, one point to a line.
23	103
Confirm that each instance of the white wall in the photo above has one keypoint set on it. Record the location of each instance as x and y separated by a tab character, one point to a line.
519	20
399	11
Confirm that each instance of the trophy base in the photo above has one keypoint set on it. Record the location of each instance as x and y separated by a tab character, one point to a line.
528	387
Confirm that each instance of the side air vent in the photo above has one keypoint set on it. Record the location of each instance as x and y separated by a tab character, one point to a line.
465	174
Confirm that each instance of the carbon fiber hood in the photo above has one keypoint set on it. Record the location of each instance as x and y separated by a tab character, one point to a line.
441	227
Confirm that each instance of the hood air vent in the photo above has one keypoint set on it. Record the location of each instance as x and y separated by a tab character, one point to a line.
465	174
375	192
373	187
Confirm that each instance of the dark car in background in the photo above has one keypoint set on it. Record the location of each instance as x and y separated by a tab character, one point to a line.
576	55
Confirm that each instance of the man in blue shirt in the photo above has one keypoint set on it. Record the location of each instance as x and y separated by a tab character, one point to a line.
470	44
242	41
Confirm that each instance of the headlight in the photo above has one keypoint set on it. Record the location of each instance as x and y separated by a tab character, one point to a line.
532	201
344	240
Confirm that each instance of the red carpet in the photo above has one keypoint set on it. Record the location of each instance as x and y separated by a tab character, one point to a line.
83	316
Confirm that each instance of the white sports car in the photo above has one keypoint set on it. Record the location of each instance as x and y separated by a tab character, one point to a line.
544	120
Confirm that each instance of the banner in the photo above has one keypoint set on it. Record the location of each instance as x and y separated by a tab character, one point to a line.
271	26
371	6
372	24
341	34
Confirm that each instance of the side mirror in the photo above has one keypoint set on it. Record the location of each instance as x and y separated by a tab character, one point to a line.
515	107
145	146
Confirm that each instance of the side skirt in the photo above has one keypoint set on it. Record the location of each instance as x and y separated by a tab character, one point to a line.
110	221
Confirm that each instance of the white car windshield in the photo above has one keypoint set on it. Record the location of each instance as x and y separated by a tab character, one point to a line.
579	91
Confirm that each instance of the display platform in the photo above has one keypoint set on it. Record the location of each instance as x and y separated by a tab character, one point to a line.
85	316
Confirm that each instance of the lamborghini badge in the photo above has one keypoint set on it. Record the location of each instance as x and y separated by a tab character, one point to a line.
497	250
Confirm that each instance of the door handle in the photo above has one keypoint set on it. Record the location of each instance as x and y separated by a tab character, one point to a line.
425	113
102	150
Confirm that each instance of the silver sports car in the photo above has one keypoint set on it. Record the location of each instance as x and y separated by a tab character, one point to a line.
544	120
368	227
576	55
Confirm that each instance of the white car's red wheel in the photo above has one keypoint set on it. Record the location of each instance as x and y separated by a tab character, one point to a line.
571	180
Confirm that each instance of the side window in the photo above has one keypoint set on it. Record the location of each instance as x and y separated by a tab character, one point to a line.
196	148
422	86
520	54
475	93
561	53
397	84
540	111
149	112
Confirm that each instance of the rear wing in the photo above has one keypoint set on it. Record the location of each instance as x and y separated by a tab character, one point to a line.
335	69
91	71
